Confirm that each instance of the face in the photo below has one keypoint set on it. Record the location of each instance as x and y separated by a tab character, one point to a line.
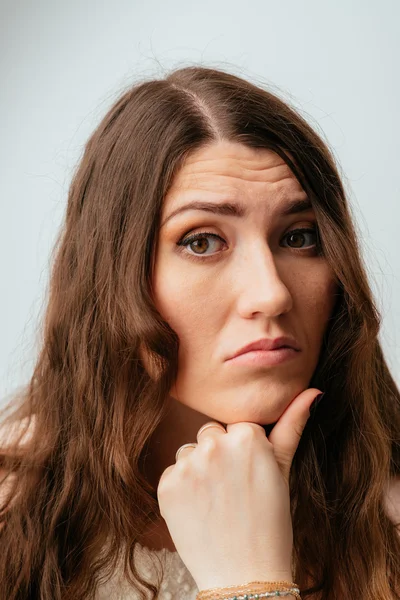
243	278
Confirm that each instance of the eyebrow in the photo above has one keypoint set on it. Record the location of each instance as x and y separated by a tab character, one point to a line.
233	209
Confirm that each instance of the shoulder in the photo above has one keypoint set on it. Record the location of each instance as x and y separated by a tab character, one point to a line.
392	500
10	432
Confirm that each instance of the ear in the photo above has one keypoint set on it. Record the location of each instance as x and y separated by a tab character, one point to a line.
149	363
392	500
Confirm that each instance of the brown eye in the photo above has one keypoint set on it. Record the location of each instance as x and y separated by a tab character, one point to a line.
199	244
298	235
198	240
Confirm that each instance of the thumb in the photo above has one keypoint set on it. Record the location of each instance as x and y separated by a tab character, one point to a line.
286	434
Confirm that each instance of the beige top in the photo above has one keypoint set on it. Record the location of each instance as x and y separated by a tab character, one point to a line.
177	584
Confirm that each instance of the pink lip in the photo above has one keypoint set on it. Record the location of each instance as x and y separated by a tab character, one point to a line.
267	344
264	358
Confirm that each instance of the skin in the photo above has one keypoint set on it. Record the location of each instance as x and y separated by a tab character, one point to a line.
256	289
256	285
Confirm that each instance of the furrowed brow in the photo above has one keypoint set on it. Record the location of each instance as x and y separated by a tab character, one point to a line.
234	209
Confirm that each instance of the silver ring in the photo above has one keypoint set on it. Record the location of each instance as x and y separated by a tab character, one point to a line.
190	445
212	424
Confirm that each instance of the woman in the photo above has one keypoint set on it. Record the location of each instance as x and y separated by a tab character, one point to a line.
149	301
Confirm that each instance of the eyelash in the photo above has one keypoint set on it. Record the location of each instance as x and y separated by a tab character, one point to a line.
183	242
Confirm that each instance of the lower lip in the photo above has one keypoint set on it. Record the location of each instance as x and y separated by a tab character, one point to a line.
261	358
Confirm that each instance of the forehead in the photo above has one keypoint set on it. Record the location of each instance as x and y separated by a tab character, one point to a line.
230	164
234	180
233	170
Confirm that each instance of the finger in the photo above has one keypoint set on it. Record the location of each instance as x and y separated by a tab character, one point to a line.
210	429
185	450
255	426
286	434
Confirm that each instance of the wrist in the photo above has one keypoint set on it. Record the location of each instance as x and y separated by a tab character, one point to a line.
220	581
237	581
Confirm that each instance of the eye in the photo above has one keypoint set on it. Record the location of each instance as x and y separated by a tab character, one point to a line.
198	241
298	234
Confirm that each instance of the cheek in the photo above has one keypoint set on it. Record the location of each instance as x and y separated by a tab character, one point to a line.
184	302
192	310
168	290
317	302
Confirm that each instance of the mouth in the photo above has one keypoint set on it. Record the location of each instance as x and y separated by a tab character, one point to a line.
264	358
267	344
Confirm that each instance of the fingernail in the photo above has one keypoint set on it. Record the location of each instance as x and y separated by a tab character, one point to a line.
315	402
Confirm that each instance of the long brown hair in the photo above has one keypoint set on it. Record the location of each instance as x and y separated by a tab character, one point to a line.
79	501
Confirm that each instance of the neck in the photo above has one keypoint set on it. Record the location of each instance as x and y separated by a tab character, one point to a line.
180	426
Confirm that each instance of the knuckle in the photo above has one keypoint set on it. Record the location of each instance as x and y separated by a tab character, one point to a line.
161	489
246	433
209	445
164	482
182	467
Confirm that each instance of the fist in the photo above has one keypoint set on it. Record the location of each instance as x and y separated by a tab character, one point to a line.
226	502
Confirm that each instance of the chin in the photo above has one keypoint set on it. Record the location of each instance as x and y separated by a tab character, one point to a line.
262	415
267	427
249	417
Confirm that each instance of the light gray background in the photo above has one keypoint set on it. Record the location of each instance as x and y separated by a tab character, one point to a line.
63	64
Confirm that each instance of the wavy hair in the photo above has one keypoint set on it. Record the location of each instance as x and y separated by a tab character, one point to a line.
77	499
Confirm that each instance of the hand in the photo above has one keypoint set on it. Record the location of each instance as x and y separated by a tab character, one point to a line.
226	502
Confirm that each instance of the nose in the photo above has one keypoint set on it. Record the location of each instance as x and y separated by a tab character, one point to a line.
261	286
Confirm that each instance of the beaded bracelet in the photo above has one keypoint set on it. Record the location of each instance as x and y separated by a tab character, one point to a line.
251	590
273	594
